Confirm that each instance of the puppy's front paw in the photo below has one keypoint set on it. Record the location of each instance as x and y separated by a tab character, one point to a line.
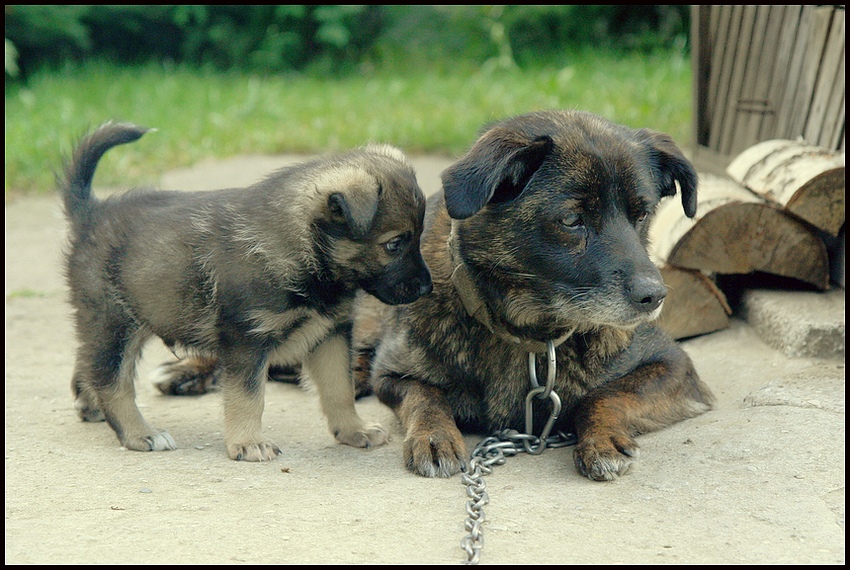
440	453
365	435
154	441
605	458
259	451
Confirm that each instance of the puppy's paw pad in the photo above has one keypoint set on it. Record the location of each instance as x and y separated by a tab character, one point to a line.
435	454
368	435
262	451
605	459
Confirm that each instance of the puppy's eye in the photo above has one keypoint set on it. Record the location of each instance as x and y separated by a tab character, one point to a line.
572	221
642	216
395	244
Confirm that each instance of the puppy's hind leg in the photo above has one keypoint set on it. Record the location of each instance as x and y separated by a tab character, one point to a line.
329	367
243	383
85	398
104	386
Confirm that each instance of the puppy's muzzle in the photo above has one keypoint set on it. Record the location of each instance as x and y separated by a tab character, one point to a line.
401	288
407	292
425	288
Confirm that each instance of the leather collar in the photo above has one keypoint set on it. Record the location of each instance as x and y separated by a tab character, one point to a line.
476	307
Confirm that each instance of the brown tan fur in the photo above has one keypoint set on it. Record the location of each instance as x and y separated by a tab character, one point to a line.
236	279
550	213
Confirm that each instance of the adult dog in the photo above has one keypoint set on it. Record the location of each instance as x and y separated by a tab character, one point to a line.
239	276
540	236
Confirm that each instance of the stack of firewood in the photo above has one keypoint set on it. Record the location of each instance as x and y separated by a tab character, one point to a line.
774	216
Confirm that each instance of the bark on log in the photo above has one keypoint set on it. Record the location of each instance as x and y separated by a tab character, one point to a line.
806	180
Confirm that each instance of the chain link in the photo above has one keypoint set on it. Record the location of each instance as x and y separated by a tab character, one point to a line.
494	449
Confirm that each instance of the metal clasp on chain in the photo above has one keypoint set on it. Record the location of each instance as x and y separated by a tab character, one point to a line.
541	393
494	449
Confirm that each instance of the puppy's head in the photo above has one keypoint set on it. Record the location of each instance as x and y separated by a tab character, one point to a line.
374	210
554	210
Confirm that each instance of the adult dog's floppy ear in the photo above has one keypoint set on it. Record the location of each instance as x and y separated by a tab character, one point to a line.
673	167
496	169
357	209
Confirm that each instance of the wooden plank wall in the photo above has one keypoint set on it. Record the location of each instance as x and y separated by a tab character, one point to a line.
765	72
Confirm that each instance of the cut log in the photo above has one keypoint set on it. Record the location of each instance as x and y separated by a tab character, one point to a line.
670	223
744	238
806	180
694	304
736	232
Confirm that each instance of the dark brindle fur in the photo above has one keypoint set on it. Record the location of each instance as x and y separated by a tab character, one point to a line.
550	213
237	277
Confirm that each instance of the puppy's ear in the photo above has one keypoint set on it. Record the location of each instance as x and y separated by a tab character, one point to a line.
496	169
357	208
673	167
352	197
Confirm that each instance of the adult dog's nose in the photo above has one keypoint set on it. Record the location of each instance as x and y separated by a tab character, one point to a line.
646	293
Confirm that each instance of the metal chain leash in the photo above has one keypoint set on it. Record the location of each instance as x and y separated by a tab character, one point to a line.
494	450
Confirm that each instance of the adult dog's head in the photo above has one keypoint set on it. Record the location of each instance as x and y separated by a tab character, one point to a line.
563	201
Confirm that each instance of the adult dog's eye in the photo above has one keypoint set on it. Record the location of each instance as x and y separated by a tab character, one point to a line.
394	244
572	221
642	216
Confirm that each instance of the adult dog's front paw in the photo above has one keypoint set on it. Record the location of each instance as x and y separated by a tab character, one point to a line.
259	451
438	453
605	458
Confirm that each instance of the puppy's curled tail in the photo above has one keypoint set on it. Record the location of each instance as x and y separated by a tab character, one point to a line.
75	185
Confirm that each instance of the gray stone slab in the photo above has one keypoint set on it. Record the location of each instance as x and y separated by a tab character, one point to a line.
798	323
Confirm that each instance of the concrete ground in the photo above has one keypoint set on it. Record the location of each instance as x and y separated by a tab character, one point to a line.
758	480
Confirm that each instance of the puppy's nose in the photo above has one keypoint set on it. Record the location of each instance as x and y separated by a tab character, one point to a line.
646	294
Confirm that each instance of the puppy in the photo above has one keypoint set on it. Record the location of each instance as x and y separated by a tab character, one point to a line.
539	235
238	277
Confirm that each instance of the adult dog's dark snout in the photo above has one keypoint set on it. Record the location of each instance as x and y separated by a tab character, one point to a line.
646	293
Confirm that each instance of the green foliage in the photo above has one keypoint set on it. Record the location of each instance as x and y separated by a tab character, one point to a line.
333	38
54	31
504	36
615	27
252	37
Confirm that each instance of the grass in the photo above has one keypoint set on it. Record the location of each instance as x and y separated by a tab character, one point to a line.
202	114
24	294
